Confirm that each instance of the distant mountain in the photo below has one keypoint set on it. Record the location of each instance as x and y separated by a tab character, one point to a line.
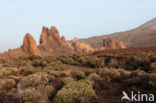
143	36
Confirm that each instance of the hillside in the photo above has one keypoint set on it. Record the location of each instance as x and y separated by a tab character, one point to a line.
143	36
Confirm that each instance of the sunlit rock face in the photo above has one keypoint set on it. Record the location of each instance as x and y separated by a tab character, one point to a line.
29	45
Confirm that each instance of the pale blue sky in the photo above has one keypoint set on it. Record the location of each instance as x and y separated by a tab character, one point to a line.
73	18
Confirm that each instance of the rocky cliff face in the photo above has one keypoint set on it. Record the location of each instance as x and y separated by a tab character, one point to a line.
29	45
111	44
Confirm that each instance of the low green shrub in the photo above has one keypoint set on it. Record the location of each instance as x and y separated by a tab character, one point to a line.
108	74
94	62
67	80
43	64
36	63
93	77
104	77
57	73
153	66
58	65
74	91
139	78
46	90
38	94
34	57
24	62
152	86
29	95
34	79
27	70
152	77
6	83
87	72
6	71
64	81
6	65
77	74
67	60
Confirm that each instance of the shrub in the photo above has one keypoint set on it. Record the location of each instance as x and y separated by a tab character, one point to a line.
24	63
152	77
34	80
39	94
43	64
153	66
58	65
67	60
113	63
74	91
6	65
139	78
123	74
57	73
93	77
87	72
6	71
64	81
33	57
46	90
152	86
108	74
94	62
106	77
77	74
78	59
7	83
153	57
1	62
29	95
36	63
27	70
152	82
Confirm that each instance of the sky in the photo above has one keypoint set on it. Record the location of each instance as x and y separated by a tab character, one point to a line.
73	18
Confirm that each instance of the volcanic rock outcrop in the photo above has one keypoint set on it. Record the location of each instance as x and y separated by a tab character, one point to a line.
81	47
111	44
52	43
29	45
50	37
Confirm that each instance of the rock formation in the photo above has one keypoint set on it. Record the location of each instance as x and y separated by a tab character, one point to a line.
111	44
63	38
1	56
52	44
50	39
29	45
51	36
81	47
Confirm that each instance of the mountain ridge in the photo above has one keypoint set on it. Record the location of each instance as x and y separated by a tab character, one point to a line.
142	36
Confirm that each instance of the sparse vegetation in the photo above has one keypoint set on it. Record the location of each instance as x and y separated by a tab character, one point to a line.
6	84
75	91
78	74
6	71
75	78
34	80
